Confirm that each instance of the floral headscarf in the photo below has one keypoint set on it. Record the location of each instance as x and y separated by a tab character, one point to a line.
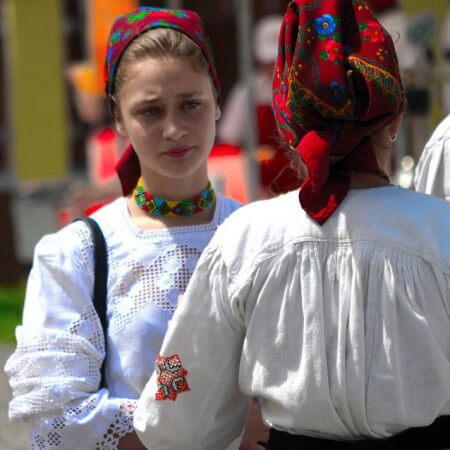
125	29
337	80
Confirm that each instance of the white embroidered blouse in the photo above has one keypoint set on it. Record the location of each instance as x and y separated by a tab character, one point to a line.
342	330
54	372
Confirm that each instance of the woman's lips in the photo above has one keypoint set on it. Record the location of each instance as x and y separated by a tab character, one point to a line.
178	152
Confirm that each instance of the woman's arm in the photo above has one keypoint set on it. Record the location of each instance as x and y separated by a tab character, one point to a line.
193	400
256	434
55	369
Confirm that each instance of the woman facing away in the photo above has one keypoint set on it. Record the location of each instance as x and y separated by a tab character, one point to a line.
330	303
164	92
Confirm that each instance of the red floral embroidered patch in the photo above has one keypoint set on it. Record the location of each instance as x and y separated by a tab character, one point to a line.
171	378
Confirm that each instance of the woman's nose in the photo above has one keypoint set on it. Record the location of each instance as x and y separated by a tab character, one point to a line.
173	128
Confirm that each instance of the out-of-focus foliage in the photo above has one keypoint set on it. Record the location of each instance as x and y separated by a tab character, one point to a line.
11	304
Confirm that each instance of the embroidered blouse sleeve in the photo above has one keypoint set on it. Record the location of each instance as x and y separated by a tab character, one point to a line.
193	400
55	369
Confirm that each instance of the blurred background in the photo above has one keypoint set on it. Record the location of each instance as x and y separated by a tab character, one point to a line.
57	145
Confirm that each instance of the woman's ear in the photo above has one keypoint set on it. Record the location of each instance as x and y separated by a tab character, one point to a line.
394	126
218	112
118	121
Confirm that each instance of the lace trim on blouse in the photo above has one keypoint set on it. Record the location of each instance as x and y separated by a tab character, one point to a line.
55	367
121	425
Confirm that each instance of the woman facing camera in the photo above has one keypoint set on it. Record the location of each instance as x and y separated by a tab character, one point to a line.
164	93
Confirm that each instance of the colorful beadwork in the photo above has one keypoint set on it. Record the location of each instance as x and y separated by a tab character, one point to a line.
171	378
171	208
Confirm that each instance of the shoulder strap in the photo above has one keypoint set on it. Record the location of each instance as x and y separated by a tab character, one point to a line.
100	279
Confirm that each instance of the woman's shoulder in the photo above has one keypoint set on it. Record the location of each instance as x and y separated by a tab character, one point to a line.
259	212
414	222
410	221
110	214
400	206
258	226
75	238
253	235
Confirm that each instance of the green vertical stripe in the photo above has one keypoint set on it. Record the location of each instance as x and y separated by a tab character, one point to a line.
39	123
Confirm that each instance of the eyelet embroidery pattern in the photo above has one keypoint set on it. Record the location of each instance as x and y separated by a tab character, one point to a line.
79	347
86	248
69	352
53	438
88	406
161	282
84	336
171	378
123	424
37	442
90	323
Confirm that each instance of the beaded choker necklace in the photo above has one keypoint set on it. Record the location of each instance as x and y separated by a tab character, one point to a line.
171	208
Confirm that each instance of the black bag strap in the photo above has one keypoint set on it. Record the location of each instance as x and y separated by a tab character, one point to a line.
100	279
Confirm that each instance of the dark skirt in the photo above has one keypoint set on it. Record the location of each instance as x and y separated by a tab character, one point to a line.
433	437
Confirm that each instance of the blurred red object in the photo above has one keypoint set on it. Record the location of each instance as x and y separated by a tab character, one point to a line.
63	216
227	172
103	154
95	207
224	150
273	159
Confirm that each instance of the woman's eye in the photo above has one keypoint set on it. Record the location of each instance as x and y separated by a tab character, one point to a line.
191	104
150	112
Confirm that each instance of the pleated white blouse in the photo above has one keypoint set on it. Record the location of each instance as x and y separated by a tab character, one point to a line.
343	330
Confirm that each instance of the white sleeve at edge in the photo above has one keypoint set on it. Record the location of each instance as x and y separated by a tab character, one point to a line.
206	337
433	169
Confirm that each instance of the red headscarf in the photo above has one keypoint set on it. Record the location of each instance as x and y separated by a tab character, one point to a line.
337	80
125	29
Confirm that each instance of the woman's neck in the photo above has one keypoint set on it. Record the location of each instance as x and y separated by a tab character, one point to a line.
362	180
146	221
174	188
